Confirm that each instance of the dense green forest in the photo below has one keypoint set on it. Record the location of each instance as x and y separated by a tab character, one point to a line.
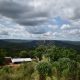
51	63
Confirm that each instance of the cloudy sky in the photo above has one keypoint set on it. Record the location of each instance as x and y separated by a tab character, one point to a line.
40	19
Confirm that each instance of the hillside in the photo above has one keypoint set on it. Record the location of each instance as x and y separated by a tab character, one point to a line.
23	44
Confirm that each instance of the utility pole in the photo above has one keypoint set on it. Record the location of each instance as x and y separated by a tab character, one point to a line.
44	41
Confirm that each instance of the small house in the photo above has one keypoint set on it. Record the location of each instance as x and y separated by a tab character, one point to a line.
20	60
9	60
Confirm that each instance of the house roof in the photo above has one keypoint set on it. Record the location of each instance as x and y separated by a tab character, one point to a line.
20	60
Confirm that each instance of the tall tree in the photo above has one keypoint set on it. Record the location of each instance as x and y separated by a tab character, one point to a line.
44	69
23	54
2	55
39	51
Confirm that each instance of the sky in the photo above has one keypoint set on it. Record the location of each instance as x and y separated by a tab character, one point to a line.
40	19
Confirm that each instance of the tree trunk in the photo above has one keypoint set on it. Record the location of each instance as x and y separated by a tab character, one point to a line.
42	77
58	75
40	58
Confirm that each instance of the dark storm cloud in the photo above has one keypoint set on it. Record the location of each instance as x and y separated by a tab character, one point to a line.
31	14
10	9
21	13
77	14
37	29
22	10
31	22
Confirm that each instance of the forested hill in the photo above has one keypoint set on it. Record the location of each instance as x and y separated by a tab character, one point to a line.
23	44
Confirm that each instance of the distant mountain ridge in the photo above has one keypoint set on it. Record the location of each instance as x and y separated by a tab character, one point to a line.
23	44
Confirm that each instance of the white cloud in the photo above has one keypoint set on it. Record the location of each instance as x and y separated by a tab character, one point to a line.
34	9
71	31
28	19
53	27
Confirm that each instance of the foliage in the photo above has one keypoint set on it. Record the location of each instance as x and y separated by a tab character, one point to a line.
2	55
61	64
23	54
44	69
40	51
